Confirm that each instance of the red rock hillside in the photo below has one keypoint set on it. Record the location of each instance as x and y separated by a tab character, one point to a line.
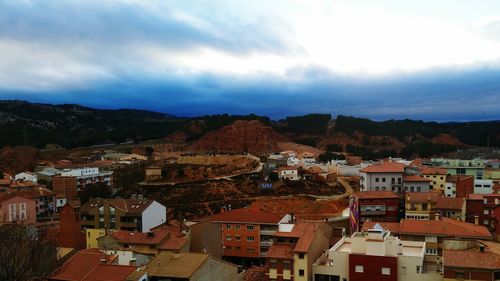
250	136
447	139
17	159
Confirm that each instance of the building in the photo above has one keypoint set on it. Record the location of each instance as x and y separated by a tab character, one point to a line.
70	231
117	157
479	263
153	173
205	237
247	234
420	205
190	266
26	176
122	214
436	175
374	255
483	186
453	208
92	265
416	183
16	208
433	232
386	175
473	167
459	186
45	174
296	247
376	206
480	207
288	173
170	237
73	180
45	200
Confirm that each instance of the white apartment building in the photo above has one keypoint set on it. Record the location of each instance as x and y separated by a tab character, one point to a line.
382	176
483	186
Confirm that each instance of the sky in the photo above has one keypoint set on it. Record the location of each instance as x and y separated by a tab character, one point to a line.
385	59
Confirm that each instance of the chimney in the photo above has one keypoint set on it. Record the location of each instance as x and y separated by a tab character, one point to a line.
476	220
436	216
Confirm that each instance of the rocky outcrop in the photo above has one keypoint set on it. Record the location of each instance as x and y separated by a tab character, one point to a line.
447	139
241	136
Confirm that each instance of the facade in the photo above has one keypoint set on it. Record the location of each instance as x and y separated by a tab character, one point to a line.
459	186
453	208
190	267
73	180
473	167
416	183
122	214
385	176
153	173
295	248
436	175
483	186
288	173
421	205
377	206
45	200
205	237
373	255
16	208
70	232
247	234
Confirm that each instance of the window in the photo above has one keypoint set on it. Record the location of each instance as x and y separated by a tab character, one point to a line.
250	250
419	269
486	222
376	179
228	237
403	270
419	188
228	226
301	272
386	271
237	226
22	211
272	264
485	212
237	238
238	248
228	248
250	238
301	256
383	179
359	269
432	252
250	227
286	265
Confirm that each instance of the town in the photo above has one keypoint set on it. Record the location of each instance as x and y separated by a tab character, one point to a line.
282	215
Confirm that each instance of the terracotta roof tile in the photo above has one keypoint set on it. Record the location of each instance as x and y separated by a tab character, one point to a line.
422	197
426	170
281	251
181	265
415	178
78	265
448	203
444	227
455	178
109	272
392	226
247	216
472	196
471	259
384	167
132	206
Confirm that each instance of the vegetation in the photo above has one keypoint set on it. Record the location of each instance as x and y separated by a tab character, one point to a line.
26	252
368	153
426	149
97	190
334	147
328	156
307	124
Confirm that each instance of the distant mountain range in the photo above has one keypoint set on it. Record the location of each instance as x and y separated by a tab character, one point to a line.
69	125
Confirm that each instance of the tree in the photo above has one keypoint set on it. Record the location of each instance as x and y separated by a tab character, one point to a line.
1	175
26	252
149	151
96	190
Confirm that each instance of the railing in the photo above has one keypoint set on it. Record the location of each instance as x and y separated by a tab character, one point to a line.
432	268
266	243
362	213
267	232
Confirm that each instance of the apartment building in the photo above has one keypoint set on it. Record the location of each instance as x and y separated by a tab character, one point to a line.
296	247
453	208
483	186
16	208
375	206
416	183
247	234
479	263
73	179
473	167
122	214
288	173
459	186
420	205
374	255
436	175
383	176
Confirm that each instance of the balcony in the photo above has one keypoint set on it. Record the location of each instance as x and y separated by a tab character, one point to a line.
269	232
372	213
266	243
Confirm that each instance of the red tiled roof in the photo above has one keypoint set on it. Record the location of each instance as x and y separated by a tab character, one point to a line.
422	197
288	168
472	196
376	194
471	259
455	178
130	237
444	227
247	216
415	178
384	167
109	272
417	162
133	206
426	170
305	232
78	265
281	251
448	203
392	226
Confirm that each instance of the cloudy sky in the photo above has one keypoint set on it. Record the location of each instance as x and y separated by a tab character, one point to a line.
425	59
